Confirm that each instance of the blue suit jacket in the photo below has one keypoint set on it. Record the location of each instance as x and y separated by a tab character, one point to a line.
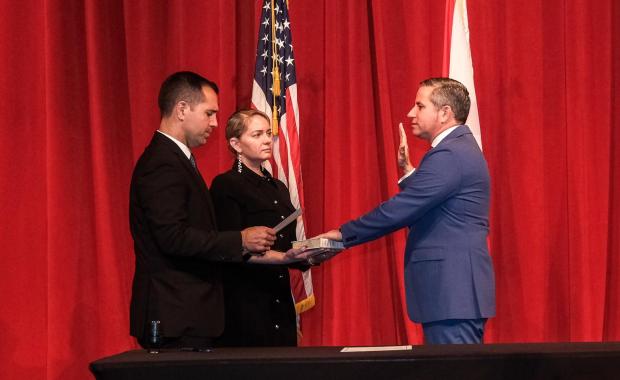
445	203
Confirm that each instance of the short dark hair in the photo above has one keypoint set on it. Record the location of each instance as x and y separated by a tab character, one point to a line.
182	86
238	123
449	92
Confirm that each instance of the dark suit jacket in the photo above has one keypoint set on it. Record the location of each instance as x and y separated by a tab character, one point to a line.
445	203
259	305
179	251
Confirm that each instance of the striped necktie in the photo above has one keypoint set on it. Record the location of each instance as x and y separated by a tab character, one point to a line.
192	160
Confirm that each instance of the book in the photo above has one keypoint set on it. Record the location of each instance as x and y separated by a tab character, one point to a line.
319	243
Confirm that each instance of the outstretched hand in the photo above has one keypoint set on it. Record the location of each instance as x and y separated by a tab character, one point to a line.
332	235
403	151
319	256
282	258
311	256
296	254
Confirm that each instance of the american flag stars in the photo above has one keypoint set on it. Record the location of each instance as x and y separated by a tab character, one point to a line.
282	56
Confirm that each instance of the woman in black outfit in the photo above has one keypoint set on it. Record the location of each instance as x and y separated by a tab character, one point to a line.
259	305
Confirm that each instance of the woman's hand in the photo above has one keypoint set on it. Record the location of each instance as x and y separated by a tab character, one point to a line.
296	254
276	257
319	256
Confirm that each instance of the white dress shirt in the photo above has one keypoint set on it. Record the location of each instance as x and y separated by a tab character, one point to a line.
183	147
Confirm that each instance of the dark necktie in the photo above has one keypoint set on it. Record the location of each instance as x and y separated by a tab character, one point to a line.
192	160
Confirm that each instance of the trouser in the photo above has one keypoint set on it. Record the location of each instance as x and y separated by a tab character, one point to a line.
454	331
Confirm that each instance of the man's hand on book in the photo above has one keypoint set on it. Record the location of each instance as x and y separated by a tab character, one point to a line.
332	235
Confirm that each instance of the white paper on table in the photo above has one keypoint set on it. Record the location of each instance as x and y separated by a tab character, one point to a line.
376	348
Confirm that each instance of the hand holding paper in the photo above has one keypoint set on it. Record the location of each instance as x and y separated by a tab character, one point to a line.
257	239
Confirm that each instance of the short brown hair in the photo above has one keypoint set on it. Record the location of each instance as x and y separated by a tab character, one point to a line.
449	92
182	86
238	122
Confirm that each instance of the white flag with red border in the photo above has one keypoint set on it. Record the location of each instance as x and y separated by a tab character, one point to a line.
457	62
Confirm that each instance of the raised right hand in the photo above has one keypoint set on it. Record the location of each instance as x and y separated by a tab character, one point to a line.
403	151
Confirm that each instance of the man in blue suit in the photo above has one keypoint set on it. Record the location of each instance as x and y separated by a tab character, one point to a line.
449	278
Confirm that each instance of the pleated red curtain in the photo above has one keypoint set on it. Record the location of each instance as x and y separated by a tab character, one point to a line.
79	84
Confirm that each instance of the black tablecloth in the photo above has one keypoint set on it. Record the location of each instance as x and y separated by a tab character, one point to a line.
491	361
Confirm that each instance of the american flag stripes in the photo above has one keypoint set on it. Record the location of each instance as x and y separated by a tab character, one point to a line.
275	93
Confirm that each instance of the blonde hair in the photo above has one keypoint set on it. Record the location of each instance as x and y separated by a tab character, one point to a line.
238	122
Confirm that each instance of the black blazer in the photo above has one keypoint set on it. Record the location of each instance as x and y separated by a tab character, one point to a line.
259	306
178	275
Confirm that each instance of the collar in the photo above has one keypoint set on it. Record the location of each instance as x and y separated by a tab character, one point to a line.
443	135
254	178
183	147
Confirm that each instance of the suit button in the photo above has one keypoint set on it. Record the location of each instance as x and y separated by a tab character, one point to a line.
281	276
277	300
281	216
277	327
281	236
275	202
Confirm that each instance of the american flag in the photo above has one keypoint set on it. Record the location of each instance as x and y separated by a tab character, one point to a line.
275	93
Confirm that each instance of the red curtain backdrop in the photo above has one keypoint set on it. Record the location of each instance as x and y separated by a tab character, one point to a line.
79	81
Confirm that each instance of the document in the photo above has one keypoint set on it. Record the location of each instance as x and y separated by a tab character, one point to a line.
376	348
289	219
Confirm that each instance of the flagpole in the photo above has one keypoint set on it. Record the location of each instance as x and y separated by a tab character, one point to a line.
282	89
275	69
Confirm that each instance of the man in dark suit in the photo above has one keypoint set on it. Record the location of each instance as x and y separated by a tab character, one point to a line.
449	278
179	251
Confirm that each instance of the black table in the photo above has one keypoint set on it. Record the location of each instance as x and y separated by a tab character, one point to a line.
491	361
